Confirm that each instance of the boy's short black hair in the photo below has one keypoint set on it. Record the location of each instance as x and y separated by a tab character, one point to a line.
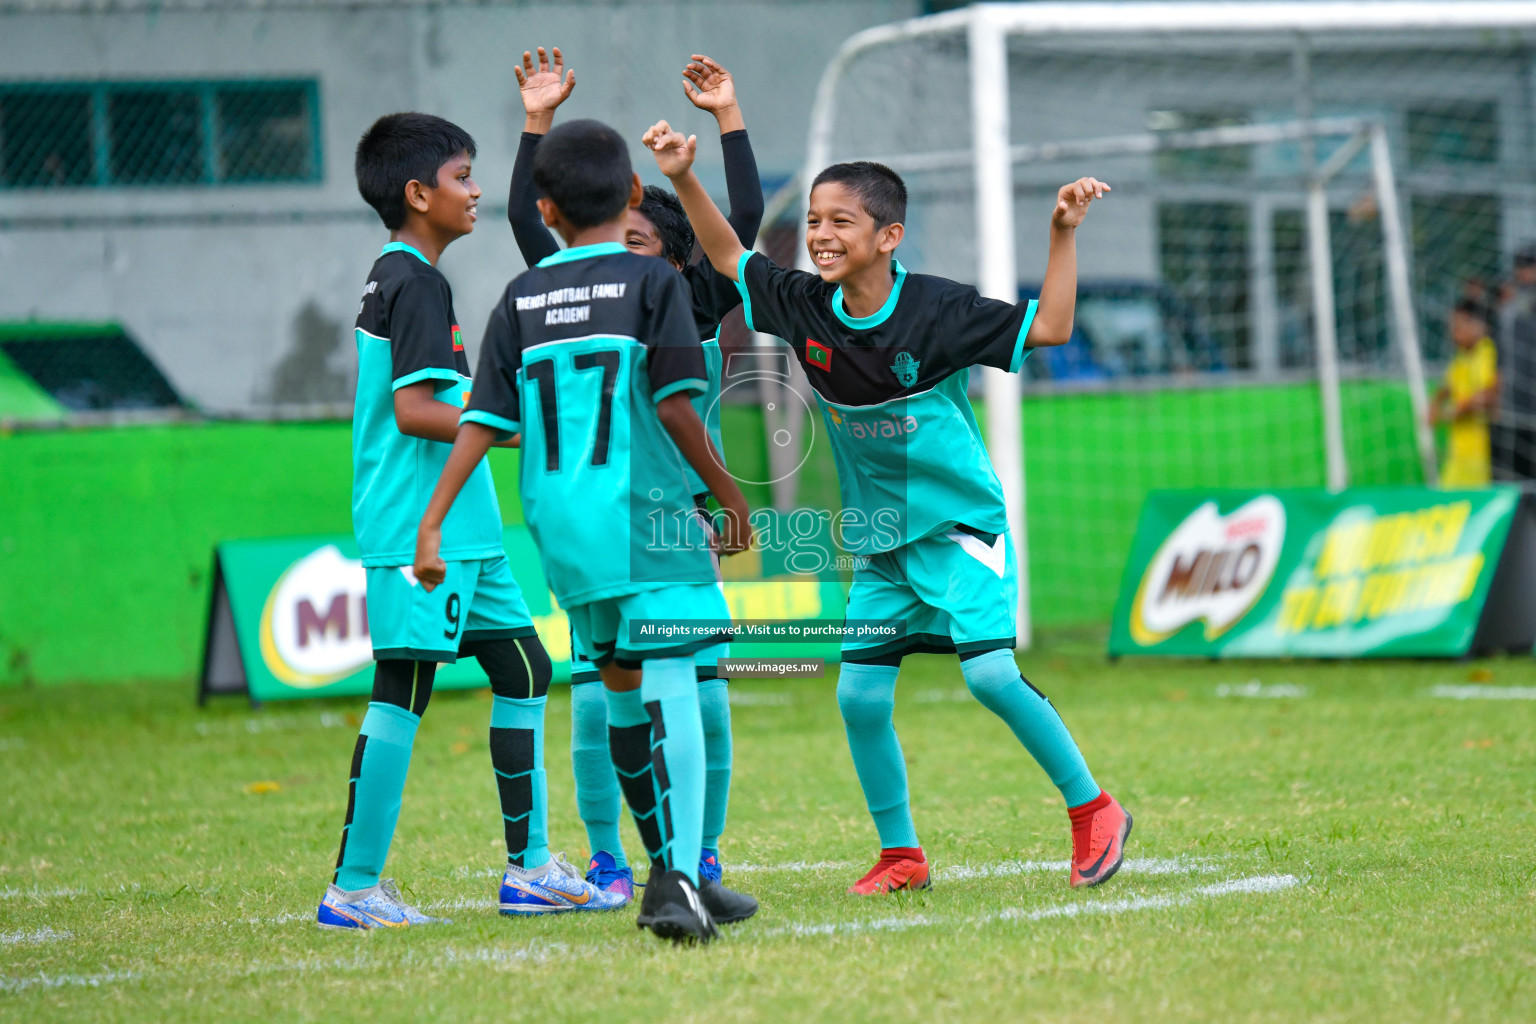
583	168
401	148
665	212
1471	307
881	191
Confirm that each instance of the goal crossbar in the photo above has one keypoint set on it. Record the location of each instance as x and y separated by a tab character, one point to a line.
992	155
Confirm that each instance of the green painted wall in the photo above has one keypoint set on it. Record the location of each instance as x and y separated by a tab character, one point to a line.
106	536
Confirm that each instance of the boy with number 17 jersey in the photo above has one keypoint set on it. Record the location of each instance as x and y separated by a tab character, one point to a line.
591	356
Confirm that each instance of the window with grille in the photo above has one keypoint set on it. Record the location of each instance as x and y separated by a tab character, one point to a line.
58	135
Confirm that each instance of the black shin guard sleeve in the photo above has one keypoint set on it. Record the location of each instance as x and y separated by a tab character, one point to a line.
630	748
405	684
519	669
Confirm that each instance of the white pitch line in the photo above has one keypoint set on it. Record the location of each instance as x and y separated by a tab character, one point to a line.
1134	865
1254	688
65	980
1003	869
1470	692
749	699
463	903
39	894
34	937
794	865
12	743
1253	884
533	952
958	695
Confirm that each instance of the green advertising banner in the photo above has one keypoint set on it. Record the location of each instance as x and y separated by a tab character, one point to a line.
1378	572
289	618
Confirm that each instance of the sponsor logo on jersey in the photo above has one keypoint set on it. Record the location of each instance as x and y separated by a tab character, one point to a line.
1211	567
314	625
905	368
871	425
818	355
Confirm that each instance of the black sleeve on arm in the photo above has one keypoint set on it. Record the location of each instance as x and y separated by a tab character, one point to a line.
534	240
989	332
674	355
493	399
773	296
742	186
421	332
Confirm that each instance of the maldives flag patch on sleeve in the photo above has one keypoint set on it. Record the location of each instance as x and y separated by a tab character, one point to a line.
458	339
818	355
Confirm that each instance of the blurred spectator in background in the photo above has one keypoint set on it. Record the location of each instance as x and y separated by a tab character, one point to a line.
1514	438
1477	291
1468	399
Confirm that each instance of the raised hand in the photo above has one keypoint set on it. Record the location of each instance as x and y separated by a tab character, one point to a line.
674	154
545	87
1072	201
708	85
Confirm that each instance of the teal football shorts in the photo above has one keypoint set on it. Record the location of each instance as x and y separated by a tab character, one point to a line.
954	592
477	600
601	629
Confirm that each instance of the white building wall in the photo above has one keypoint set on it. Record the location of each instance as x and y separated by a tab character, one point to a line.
211	279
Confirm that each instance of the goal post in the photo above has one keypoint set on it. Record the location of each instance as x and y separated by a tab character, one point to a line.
992	55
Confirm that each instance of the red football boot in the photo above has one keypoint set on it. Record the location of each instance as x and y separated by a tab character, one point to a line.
902	867
1099	830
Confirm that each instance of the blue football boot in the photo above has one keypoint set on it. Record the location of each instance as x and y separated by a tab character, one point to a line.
603	871
553	888
379	906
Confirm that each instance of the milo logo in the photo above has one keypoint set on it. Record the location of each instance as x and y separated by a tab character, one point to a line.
314	625
1212	568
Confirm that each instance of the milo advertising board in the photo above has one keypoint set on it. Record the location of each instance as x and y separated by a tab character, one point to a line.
288	618
1404	572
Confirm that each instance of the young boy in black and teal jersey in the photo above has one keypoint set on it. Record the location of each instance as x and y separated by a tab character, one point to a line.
888	354
657	227
413	379
592	356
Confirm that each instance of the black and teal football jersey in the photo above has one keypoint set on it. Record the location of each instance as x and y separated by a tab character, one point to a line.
892	388
407	333
578	351
713	294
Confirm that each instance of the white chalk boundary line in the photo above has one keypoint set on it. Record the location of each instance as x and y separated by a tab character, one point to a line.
1254	688
41	980
1003	869
1235	886
10	893
508	957
35	937
754	699
1475	692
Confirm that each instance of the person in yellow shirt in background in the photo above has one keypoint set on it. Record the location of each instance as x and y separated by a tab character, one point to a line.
1468	399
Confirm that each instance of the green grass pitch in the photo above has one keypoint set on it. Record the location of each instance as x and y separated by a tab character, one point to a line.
1358	850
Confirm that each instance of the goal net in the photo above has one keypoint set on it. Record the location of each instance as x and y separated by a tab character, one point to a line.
1302	193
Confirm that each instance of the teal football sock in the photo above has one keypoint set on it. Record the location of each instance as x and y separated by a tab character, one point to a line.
597	788
379	764
995	680
715	711
671	695
629	744
866	695
517	757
